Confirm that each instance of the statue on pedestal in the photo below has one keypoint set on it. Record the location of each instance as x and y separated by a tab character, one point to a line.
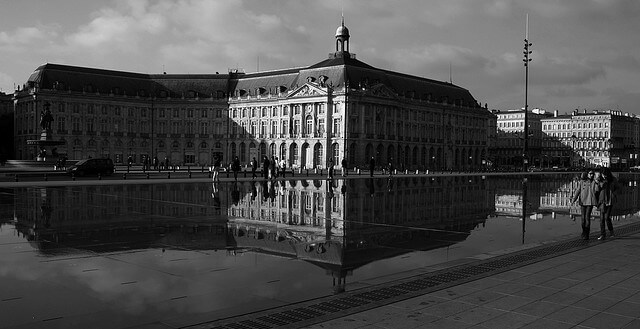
47	118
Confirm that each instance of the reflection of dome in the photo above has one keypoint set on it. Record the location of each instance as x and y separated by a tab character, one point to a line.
342	31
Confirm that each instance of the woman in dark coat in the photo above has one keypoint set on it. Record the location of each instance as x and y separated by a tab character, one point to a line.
607	186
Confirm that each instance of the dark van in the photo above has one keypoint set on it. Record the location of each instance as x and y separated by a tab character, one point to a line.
92	167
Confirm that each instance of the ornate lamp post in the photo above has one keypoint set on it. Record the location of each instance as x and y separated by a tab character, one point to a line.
526	60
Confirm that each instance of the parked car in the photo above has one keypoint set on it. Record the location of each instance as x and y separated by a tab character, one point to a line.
92	167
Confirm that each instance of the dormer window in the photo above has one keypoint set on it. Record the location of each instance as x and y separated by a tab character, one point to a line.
191	94
142	93
311	79
163	94
282	89
261	91
242	93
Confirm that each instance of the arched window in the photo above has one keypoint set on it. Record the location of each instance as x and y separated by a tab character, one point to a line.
243	153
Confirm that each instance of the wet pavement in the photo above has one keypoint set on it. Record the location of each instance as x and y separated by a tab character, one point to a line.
186	252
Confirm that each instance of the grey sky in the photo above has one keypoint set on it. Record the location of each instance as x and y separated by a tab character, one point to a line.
585	52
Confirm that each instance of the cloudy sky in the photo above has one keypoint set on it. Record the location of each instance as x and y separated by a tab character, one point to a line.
586	53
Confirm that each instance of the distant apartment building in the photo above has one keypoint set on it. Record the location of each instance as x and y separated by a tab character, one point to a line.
509	142
594	139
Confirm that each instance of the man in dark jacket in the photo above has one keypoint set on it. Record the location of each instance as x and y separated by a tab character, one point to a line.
265	167
254	167
372	166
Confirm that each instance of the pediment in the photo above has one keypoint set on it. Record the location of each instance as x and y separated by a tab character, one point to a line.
307	90
381	90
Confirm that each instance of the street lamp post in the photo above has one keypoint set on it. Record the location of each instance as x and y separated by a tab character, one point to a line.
526	60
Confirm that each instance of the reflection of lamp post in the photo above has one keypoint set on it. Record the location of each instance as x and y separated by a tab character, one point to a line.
573	150
610	150
433	162
470	162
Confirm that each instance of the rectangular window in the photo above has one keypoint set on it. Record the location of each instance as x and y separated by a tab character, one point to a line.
190	113
296	127
61	123
203	127
162	127
161	115
204	113
176	113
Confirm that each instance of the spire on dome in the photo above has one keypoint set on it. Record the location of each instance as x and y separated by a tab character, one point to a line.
342	38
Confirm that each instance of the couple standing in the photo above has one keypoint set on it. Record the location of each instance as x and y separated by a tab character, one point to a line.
596	188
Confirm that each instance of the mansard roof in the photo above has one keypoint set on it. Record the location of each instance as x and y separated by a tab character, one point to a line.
74	78
342	71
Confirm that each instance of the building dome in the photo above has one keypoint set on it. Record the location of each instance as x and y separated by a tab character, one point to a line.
342	31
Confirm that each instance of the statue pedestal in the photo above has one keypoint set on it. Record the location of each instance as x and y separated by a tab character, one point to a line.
43	143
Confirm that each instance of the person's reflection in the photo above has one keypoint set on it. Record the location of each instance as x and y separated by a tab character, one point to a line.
265	190
235	194
329	186
46	215
216	196
390	184
254	191
372	189
272	190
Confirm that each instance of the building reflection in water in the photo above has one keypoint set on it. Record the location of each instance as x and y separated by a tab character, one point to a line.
337	225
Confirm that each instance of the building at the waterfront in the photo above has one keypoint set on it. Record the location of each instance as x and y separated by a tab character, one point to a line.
599	138
338	108
605	138
509	143
6	126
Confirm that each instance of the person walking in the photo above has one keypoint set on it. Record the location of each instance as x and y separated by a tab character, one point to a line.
254	167
585	196
330	168
606	189
390	167
283	167
216	169
344	166
265	167
277	168
235	166
272	168
372	166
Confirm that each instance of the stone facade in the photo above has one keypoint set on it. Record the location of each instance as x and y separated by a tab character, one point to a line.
339	108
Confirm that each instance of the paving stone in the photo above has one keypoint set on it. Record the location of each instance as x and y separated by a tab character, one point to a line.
607	321
625	308
570	314
476	315
539	308
509	321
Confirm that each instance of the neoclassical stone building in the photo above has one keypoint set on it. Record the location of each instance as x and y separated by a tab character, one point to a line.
339	108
